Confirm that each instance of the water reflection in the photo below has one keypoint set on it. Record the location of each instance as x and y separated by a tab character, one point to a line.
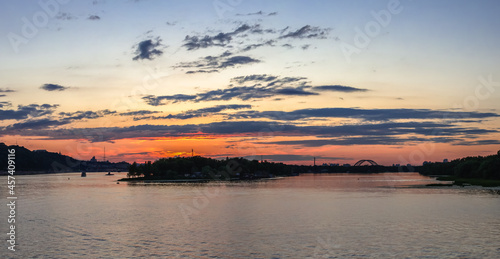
309	216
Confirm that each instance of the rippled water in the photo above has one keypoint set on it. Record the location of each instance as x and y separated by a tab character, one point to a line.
309	216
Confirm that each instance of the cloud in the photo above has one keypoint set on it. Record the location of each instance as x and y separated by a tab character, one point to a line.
139	113
364	114
148	49
65	16
254	46
94	17
5	104
53	87
390	133
339	88
249	87
2	90
25	111
203	112
307	32
237	60
212	64
259	13
81	115
161	100
220	39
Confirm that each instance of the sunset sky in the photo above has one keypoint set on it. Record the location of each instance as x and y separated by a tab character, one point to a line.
393	81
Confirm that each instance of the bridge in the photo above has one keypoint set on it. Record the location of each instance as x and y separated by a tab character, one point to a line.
360	162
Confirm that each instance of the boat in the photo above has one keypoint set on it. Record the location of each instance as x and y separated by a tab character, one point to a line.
109	173
84	174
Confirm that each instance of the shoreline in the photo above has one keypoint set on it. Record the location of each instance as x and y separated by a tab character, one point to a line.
456	181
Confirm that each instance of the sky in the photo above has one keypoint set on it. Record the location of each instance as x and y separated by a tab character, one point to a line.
397	82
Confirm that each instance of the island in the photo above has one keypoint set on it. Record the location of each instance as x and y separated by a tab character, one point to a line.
202	169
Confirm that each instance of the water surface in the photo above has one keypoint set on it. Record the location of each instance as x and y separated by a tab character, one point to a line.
310	216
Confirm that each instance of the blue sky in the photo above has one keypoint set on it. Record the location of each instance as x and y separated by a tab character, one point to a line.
172	63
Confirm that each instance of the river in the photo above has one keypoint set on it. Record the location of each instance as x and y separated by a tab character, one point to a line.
390	215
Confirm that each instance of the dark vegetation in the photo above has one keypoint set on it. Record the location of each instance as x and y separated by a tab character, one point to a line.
42	161
197	167
479	170
27	160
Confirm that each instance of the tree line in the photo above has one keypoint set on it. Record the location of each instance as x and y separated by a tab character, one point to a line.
198	167
487	167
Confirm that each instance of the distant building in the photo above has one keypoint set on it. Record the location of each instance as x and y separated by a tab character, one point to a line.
346	165
445	160
93	160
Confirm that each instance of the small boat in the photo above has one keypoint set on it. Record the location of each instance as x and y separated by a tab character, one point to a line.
109	173
84	174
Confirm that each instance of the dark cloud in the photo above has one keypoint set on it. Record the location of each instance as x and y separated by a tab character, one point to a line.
81	115
53	87
160	100
64	118
93	17
139	113
203	112
365	114
35	124
26	111
5	104
212	64
307	32
220	39
260	86
237	60
366	134
2	90
148	49
477	142
253	78
339	88
258	45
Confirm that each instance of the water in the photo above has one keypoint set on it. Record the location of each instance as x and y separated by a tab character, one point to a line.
309	216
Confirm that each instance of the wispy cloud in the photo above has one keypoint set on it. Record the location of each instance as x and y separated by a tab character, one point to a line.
339	88
212	64
251	87
307	32
203	112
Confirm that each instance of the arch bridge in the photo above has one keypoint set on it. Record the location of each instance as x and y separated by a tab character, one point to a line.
360	162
